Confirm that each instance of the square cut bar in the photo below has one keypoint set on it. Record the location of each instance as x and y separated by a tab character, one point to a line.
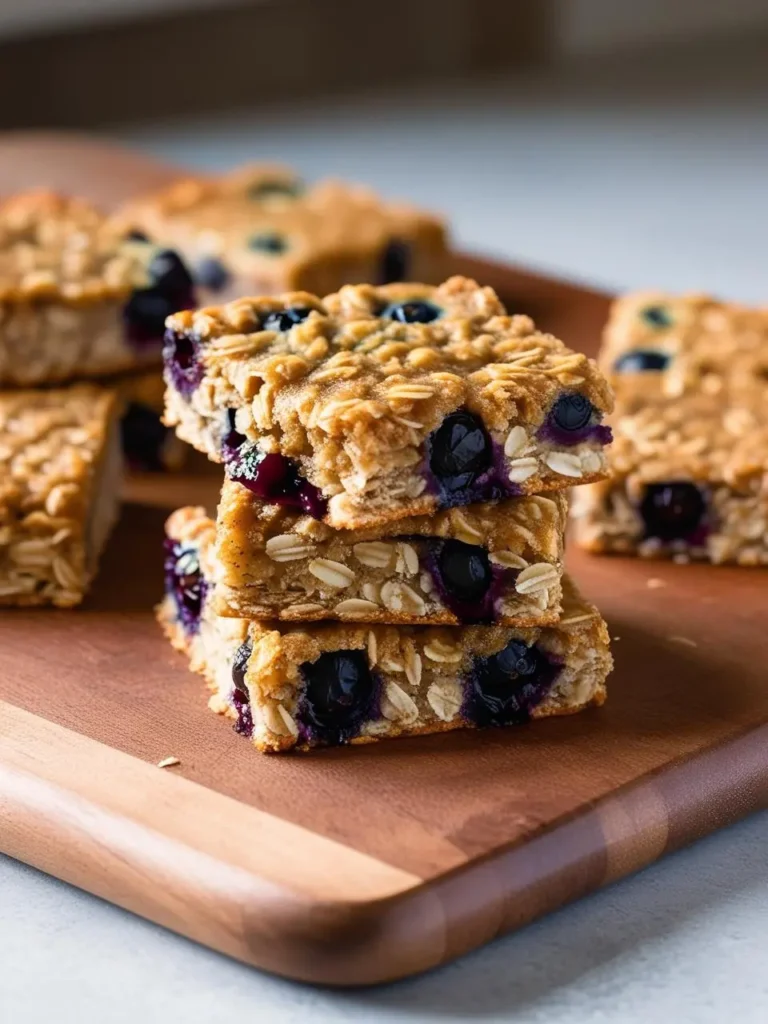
78	299
259	230
288	686
690	481
487	563
60	472
376	404
670	345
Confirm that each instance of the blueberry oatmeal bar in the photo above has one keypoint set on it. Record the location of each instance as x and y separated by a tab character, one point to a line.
377	404
656	343
59	484
148	445
259	230
288	688
487	563
690	481
76	298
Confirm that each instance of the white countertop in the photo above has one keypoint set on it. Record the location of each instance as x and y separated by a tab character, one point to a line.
626	176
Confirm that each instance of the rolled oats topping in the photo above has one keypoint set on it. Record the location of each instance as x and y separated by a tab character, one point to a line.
59	483
386	401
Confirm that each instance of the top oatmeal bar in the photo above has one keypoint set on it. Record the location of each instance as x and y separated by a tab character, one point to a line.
660	344
78	299
379	403
259	231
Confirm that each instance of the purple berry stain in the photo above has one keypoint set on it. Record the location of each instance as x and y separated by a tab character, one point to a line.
185	582
340	694
275	478
241	698
182	364
505	688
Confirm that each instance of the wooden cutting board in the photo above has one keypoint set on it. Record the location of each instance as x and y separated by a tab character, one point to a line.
361	865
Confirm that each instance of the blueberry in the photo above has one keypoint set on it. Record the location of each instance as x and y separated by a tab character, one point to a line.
673	510
134	235
241	698
182	364
268	242
185	582
275	478
640	360
233	440
504	688
212	274
270	189
572	412
168	273
285	319
465	570
143	437
657	316
395	262
338	697
414	312
459	451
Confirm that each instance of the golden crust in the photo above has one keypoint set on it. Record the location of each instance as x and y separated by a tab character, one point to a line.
353	396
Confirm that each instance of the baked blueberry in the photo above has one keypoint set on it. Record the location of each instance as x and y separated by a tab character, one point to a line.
143	437
460	450
186	584
211	273
241	699
275	478
657	316
134	235
414	312
275	190
641	360
504	688
673	511
180	356
233	440
572	412
395	262
268	242
285	319
338	697
171	290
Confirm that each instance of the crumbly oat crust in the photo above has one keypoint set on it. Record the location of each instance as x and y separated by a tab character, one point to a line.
66	274
323	236
274	563
59	483
421	671
721	448
352	397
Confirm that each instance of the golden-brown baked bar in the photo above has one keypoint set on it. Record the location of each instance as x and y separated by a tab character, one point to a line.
78	299
689	480
656	343
60	481
376	404
148	445
488	563
289	686
259	231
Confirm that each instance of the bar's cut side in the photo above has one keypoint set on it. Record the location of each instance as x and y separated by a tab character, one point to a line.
259	231
483	564
287	687
689	483
60	471
380	403
77	298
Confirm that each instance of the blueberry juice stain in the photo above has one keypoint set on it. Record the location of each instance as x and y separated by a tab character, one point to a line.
185	582
241	698
275	479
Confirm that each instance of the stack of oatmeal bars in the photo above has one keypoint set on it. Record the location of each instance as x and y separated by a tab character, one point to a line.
82	311
387	557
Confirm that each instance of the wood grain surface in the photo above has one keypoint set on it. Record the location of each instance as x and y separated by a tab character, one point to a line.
364	864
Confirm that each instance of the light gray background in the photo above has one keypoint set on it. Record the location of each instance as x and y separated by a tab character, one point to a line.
625	175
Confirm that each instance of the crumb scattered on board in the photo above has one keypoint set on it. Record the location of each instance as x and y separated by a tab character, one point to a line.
168	762
654	583
683	640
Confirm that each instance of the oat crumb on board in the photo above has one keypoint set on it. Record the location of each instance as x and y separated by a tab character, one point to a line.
654	583
168	762
686	641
